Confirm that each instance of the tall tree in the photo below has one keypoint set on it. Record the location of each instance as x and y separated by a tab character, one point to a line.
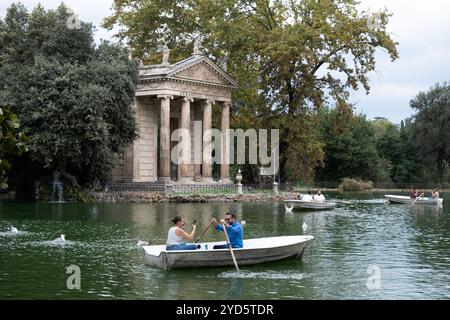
431	127
12	142
289	57
350	146
73	99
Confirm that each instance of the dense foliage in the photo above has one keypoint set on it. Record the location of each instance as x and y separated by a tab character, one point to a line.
73	98
289	57
12	142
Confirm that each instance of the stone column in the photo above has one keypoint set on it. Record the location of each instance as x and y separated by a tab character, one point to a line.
198	141
185	125
164	143
132	157
225	147
207	137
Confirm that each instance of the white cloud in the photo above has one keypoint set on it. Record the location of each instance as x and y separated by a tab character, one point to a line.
421	28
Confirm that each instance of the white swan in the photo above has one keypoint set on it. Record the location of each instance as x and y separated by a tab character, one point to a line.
61	239
288	209
14	230
142	243
304	226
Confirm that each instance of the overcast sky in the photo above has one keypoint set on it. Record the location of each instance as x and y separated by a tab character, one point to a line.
422	29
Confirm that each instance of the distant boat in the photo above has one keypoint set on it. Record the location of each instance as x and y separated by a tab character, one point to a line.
255	251
408	200
306	204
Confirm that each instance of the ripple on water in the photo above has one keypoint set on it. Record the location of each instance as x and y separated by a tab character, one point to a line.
53	243
14	234
269	275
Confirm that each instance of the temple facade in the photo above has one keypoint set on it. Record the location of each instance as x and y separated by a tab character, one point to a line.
177	96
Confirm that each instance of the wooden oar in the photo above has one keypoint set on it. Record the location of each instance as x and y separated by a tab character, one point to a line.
229	246
204	231
414	202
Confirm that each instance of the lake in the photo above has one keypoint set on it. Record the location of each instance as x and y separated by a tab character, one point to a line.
363	249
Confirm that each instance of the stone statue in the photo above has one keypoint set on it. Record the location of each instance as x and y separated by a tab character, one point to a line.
223	62
197	44
166	54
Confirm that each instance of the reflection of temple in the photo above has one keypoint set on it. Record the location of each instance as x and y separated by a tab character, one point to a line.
172	96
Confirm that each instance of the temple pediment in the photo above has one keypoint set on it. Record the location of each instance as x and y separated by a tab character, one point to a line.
196	68
203	71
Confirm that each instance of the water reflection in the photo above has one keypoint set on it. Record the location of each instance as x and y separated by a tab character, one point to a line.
410	245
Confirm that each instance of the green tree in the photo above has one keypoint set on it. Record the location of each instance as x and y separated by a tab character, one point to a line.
289	57
73	99
389	149
350	146
12	142
431	127
412	168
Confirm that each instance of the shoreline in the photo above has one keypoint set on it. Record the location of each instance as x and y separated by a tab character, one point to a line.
154	197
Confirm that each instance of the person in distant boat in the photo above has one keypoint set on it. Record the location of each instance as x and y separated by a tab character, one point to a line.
234	231
307	197
413	193
435	194
177	236
319	197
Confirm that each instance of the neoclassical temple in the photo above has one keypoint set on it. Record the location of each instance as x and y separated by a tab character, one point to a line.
174	96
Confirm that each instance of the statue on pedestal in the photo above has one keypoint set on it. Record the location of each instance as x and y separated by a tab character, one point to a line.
166	54
197	44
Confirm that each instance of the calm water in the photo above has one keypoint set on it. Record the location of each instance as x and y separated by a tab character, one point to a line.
409	246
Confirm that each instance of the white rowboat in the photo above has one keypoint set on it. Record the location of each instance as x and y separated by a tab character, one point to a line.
408	200
255	251
306	204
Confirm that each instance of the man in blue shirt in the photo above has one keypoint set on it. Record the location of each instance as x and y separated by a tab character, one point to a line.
234	231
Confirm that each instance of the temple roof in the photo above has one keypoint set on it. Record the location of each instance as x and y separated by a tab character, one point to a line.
197	68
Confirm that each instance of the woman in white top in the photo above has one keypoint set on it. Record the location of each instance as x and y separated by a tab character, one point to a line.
177	236
435	194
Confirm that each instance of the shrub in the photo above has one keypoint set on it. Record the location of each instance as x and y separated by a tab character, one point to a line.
349	184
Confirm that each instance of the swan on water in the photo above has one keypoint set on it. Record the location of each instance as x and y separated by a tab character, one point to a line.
14	230
62	238
289	209
304	226
142	243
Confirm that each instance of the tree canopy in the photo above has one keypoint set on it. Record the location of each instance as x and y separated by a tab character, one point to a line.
73	98
431	128
289	57
12	142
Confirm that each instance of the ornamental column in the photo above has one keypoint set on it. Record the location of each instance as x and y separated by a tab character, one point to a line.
207	137
225	147
132	155
164	142
185	140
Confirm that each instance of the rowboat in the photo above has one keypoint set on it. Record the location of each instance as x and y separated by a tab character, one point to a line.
408	200
255	251
307	204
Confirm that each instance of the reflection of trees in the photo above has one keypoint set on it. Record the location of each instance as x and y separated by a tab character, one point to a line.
236	291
